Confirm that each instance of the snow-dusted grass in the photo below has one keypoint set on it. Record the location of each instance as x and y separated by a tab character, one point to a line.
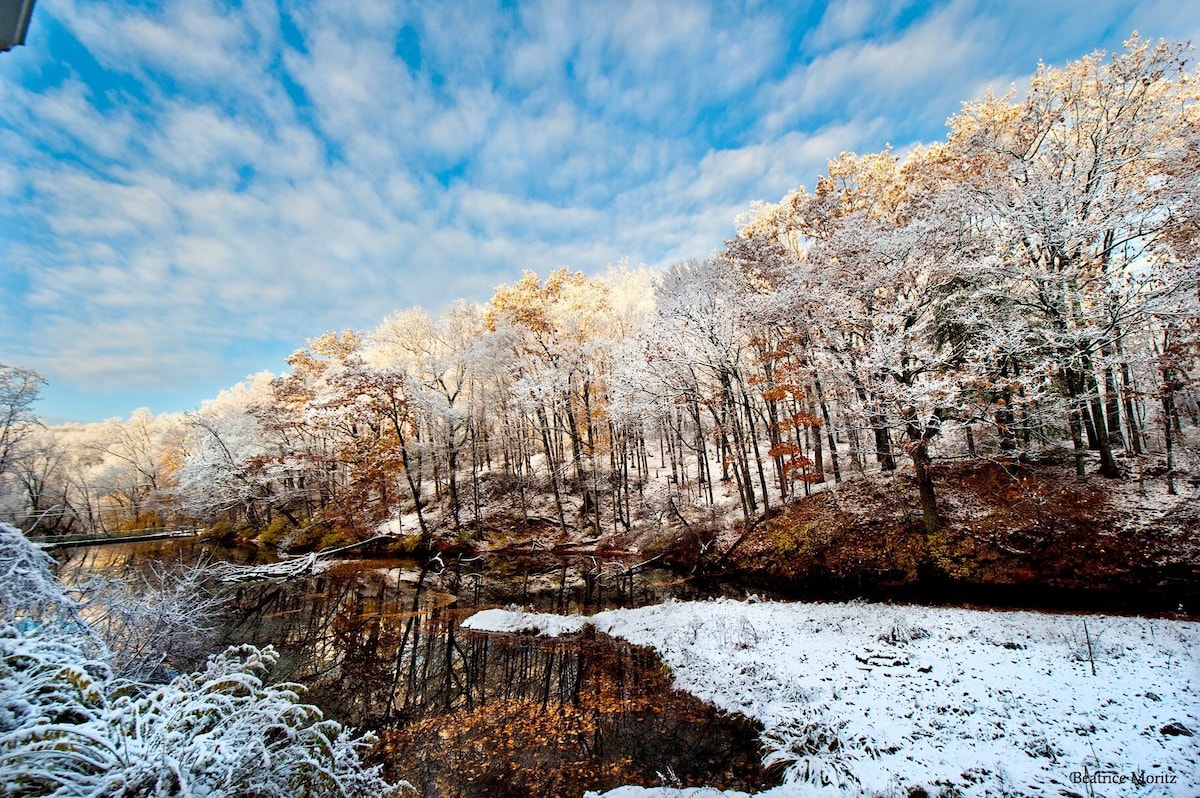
869	699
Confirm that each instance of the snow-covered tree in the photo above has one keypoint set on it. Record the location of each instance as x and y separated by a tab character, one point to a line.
230	459
1080	187
441	361
29	593
19	389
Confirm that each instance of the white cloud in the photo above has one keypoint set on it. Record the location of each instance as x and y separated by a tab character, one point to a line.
493	213
195	41
922	67
80	206
201	142
68	114
842	21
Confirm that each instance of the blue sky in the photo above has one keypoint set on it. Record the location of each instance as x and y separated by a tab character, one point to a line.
191	189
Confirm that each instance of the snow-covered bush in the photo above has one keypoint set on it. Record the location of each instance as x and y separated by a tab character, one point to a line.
815	749
56	728
29	593
224	731
1090	645
902	631
159	621
69	727
47	680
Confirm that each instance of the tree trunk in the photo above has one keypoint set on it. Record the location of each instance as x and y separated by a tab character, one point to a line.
833	452
883	444
549	449
452	480
414	486
1133	428
1112	408
762	476
818	447
723	444
1077	440
1168	407
573	432
1108	466
742	463
923	471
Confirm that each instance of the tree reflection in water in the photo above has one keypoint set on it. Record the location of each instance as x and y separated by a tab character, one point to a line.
461	713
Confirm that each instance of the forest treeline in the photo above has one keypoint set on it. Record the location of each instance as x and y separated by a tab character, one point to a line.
1028	287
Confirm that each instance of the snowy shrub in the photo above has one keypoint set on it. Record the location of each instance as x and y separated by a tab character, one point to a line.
1090	645
29	593
901	631
46	677
739	634
814	750
223	730
669	779
1038	745
69	727
55	727
164	617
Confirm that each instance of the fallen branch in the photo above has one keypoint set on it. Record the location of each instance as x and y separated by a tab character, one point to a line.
633	568
287	569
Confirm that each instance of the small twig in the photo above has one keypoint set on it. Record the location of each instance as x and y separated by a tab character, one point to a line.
633	568
1088	637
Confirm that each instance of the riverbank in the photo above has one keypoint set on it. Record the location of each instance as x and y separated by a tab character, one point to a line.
379	645
1030	535
1012	535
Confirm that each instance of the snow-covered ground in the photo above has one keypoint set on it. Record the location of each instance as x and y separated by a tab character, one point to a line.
865	699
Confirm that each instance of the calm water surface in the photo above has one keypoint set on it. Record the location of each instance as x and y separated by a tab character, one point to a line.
379	645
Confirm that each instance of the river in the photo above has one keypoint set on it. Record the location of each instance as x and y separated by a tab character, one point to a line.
379	646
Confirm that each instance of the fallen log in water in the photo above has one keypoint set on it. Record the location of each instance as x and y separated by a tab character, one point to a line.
285	569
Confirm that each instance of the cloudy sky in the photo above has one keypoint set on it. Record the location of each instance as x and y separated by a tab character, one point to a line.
190	189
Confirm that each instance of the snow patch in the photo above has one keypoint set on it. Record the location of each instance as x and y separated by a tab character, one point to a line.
515	621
